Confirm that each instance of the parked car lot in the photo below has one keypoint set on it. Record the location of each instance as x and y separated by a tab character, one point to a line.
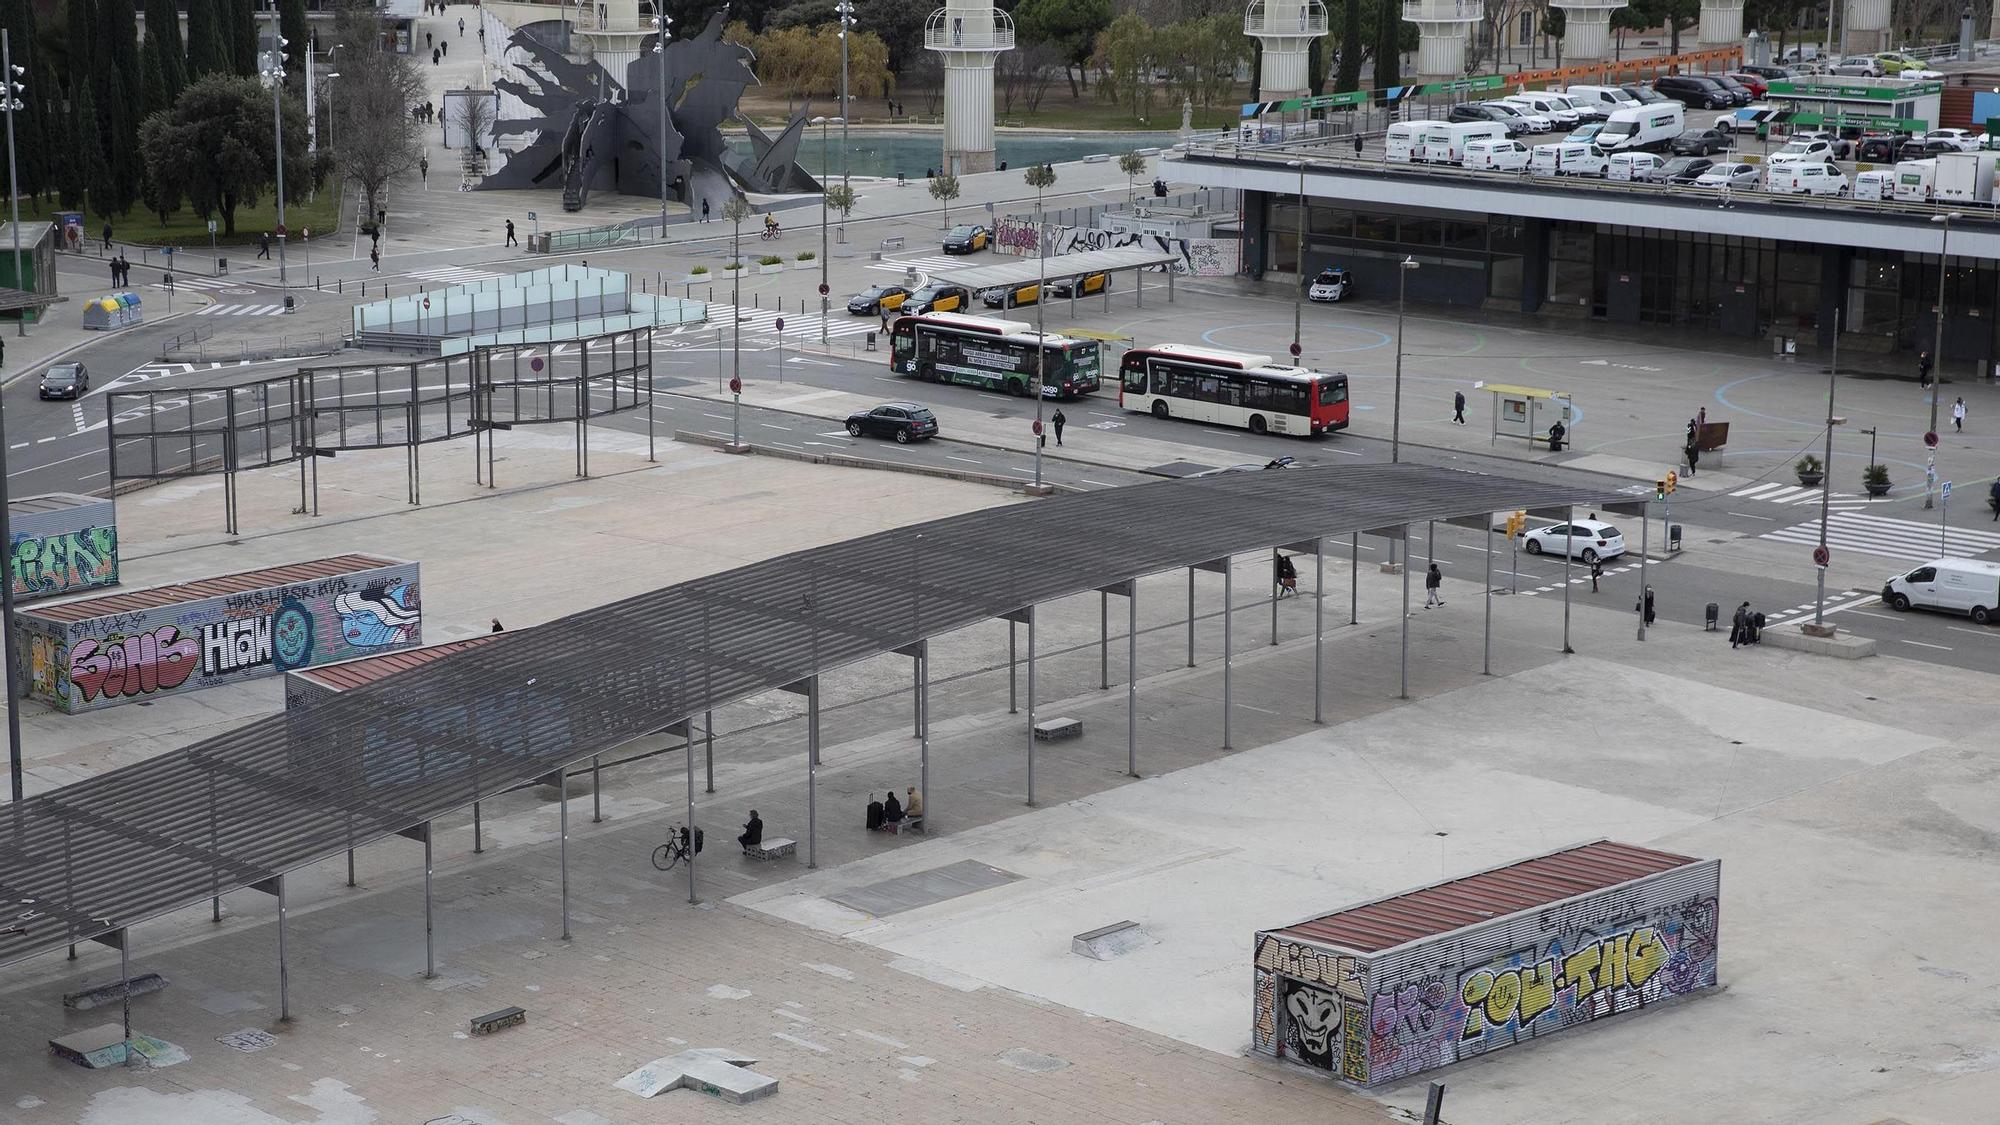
1680	170
1331	285
966	238
1011	296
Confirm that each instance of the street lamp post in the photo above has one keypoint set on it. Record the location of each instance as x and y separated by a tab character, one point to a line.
1298	294
10	90
1819	626
824	165
845	10
1040	176
276	75
1937	357
1396	405
735	211
660	24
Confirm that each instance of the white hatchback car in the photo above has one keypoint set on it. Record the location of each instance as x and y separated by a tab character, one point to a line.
1590	541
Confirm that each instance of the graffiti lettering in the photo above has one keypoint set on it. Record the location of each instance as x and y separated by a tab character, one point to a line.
1496	999
1354	1049
1303	962
157	661
231	646
65	562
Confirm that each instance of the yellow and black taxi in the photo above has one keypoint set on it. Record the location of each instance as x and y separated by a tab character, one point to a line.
966	239
935	298
1012	296
1081	286
876	299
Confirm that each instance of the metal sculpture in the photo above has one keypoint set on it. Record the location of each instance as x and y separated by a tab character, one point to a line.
593	132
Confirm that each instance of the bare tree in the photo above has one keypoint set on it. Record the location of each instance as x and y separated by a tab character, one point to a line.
377	137
473	117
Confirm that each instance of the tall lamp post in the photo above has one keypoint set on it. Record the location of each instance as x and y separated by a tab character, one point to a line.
276	76
1819	627
845	10
735	211
660	24
1040	177
824	285
1298	294
13	102
1937	357
1396	403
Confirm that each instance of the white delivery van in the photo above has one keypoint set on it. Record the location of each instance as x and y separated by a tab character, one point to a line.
1554	108
1966	586
1915	180
1404	142
1648	127
1610	98
1496	156
1444	142
1565	159
1630	165
1801	178
1875	186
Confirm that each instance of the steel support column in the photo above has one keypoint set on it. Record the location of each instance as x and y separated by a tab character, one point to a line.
562	801
1486	653
1276	589
1103	641
708	746
1132	678
596	793
1319	630
1013	661
1354	587
1031	706
1190	617
687	745
924	728
1569	550
1228	657
1403	688
812	772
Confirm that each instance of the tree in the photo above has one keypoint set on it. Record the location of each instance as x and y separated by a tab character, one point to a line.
83	159
214	147
292	27
944	189
163	47
1125	50
206	53
239	29
900	26
1134	166
1388	45
34	166
1349	76
375	137
1069	27
840	197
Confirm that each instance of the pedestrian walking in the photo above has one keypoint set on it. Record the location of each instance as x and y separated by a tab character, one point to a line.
1060	421
511	240
461	27
114	274
263	244
1645	606
1458	407
1433	587
1693	452
1993	500
424	170
1285	574
1958	415
435	56
704	208
1357	142
107	238
428	42
1596	572
1923	369
1739	626
375	258
446	48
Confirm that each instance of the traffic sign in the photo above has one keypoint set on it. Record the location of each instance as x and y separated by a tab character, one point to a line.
1946	490
281	230
781	324
211	226
735	385
1930	439
1037	427
427	304
1295	350
822	289
1821	556
535	364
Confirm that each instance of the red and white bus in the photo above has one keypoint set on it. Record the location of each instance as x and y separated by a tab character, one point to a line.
1232	389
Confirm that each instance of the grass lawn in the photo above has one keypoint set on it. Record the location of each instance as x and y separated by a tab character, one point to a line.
190	230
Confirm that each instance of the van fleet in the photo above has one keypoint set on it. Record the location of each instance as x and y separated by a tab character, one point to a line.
1444	142
1404	140
1805	179
1915	180
1489	155
1643	127
1966	586
1565	158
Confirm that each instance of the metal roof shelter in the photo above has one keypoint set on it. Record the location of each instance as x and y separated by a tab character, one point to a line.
1026	270
385	758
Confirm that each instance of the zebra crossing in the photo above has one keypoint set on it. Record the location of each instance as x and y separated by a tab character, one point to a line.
1779	493
241	310
763	322
1582	576
453	275
1914	540
924	264
1846	599
183	281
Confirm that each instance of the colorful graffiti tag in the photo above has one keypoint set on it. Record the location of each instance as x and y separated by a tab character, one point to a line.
65	562
80	665
1199	257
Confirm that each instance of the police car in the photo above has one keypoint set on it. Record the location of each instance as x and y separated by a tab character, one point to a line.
1330	285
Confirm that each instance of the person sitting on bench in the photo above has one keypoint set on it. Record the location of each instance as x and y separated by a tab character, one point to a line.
874	814
892	810
913	804
753	832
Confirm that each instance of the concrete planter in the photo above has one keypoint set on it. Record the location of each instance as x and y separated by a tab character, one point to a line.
771	269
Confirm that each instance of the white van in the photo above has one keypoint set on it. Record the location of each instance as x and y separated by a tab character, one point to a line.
1875	185
1565	159
1805	179
1535	102
1496	156
1966	586
1645	127
1609	98
1444	142
1915	180
1404	142
1630	165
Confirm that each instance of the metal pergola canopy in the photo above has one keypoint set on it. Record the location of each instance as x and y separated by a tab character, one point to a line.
242	808
1058	266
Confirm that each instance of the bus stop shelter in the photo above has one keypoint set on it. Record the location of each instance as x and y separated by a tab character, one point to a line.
1027	270
1527	412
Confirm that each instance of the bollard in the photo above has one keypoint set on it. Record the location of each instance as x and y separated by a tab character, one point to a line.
339	285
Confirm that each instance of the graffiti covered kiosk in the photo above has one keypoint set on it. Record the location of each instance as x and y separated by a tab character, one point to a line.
1386	989
144	644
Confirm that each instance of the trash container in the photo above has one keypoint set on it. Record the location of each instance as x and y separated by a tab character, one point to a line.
290	305
1674	538
221	267
871	341
1714	614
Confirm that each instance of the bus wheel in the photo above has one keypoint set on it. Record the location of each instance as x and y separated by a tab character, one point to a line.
1258	426
1159	409
1017	388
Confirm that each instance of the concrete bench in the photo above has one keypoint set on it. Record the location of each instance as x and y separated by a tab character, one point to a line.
907	824
893	242
772	849
499	1021
1054	730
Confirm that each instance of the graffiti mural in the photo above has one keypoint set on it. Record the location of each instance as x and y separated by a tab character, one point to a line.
84	664
65	562
1198	257
1489	986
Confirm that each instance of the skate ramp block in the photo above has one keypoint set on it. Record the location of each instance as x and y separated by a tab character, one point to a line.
716	1071
1108	942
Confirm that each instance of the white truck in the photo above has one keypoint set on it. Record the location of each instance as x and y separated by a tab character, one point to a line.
1916	180
1642	127
1966	177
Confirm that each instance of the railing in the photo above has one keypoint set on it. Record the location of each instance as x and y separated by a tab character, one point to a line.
1285	17
284	347
1442	11
946	30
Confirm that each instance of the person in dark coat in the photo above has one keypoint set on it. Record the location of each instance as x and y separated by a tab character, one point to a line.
1646	605
874	813
1923	363
1739	626
1433	587
1458	407
892	809
753	832
1556	434
1060	421
1286	574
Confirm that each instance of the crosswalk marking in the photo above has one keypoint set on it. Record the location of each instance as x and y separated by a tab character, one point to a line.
1780	493
1846	599
241	310
1891	538
453	275
928	262
182	281
797	327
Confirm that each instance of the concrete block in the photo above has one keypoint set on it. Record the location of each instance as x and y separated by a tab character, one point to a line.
715	1071
1845	646
86	999
1108	942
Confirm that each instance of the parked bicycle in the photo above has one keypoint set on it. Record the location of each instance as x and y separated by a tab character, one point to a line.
670	854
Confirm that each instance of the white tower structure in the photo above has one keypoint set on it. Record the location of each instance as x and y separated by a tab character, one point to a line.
968	36
1287	28
1587	28
1721	23
1866	27
1444	26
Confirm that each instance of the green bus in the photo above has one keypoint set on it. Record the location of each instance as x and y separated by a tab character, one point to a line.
992	354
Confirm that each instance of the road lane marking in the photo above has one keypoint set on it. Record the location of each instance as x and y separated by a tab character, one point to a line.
967	460
1922	644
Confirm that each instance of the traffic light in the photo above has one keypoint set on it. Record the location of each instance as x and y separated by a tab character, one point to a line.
1673	480
1660	489
1517	520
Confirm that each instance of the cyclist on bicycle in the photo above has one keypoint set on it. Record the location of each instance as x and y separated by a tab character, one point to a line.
770	226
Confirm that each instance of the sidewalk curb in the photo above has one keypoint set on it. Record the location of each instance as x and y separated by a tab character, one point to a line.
848	461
